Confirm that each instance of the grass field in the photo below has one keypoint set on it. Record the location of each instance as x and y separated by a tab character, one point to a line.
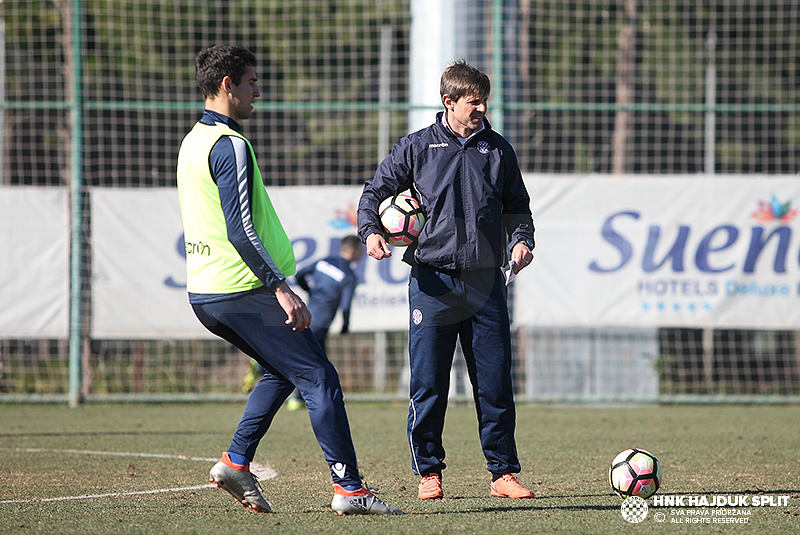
60	476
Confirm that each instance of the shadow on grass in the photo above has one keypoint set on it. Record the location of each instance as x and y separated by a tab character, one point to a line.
545	508
537	498
536	504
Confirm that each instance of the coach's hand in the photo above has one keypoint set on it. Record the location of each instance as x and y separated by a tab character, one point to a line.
522	257
297	314
377	247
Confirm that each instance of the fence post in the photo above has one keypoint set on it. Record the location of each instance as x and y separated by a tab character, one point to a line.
379	364
498	109
76	190
711	102
708	359
385	93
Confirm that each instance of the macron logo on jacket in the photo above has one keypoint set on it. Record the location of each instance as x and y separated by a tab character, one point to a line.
437	145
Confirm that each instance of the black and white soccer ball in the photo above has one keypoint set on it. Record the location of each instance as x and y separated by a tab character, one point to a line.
635	472
402	219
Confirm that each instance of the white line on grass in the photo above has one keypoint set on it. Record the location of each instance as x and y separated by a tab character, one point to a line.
263	472
117	454
108	495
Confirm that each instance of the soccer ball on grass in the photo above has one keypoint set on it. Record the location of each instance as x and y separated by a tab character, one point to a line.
402	218
635	472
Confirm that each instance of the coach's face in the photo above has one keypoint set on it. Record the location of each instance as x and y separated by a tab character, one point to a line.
466	114
243	96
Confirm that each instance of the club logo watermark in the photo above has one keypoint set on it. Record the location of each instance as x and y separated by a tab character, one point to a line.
695	509
634	509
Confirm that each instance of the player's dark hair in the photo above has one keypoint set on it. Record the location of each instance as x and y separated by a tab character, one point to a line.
216	62
350	242
461	79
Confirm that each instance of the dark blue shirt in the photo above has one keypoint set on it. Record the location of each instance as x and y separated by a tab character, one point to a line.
330	284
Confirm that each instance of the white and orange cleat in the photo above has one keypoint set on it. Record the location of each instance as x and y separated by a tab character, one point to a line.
240	483
359	502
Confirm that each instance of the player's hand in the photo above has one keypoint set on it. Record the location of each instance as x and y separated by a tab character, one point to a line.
377	247
521	256
297	314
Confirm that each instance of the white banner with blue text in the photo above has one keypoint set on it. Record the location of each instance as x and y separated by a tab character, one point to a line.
670	251
644	251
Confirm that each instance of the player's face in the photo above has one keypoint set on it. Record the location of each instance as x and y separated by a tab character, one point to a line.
466	114
244	95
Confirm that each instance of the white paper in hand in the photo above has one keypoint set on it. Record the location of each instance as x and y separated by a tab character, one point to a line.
510	272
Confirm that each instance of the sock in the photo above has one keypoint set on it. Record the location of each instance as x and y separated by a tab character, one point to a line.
495	477
239	459
353	489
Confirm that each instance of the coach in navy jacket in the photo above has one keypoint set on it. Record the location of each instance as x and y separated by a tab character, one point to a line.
473	196
468	181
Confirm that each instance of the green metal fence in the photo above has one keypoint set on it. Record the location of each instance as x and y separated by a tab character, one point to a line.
99	94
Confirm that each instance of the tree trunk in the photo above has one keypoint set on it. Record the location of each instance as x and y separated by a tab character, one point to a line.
626	77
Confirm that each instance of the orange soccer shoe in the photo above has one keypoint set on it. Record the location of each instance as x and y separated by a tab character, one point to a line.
430	487
508	487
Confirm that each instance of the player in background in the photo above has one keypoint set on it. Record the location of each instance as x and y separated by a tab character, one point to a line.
331	284
478	216
238	258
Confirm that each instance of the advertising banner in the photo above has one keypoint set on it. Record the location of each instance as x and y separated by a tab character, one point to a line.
685	251
139	287
645	251
34	270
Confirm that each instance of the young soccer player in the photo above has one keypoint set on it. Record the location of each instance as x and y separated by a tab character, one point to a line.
237	286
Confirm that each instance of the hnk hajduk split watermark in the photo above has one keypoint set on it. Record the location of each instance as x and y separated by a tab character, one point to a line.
698	509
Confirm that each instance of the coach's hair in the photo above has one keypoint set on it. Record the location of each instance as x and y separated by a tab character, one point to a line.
216	62
461	79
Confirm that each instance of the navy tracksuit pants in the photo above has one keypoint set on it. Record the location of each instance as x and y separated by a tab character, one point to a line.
469	306
254	322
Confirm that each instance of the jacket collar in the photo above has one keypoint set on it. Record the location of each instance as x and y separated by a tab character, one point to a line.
213	117
440	119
